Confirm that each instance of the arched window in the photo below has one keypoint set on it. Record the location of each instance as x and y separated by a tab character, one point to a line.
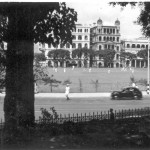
107	38
100	47
79	37
133	45
86	45
110	38
146	46
74	37
67	45
128	45
138	45
110	31
113	31
73	45
143	46
117	39
113	38
79	45
117	56
86	37
104	38
100	38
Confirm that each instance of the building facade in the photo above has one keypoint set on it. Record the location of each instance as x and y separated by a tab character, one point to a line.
106	38
81	38
133	46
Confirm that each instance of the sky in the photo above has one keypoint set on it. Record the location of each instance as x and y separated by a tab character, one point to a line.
90	11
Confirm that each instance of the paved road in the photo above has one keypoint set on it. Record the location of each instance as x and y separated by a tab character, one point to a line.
83	105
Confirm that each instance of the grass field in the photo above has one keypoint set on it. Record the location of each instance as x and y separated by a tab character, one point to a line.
84	81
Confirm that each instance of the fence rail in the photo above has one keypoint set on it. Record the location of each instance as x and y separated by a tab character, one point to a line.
121	114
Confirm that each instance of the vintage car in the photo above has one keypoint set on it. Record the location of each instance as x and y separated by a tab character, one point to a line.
127	93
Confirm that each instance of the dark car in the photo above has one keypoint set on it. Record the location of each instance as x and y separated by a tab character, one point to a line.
127	93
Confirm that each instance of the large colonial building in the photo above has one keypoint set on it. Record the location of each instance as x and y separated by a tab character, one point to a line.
99	37
81	38
106	37
133	46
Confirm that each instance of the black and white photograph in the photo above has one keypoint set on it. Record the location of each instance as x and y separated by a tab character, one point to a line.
74	75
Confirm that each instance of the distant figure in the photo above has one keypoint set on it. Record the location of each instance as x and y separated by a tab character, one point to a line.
55	69
148	89
64	69
112	116
133	84
109	71
132	70
73	67
67	91
90	69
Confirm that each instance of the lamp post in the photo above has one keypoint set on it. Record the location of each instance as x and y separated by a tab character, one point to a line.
148	90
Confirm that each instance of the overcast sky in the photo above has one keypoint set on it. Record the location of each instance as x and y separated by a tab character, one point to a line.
90	11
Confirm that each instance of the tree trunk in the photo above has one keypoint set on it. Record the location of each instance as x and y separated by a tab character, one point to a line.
19	99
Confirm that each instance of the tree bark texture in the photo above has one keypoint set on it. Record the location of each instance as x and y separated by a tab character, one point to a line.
19	99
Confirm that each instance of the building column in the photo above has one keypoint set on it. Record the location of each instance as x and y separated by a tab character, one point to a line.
135	63
140	63
64	64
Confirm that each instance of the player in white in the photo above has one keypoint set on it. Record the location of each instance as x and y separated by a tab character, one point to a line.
67	91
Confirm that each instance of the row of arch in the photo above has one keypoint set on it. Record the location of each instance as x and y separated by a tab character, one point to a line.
80	37
80	63
108	38
136	46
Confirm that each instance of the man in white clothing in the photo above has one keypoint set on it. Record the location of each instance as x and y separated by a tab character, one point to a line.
67	91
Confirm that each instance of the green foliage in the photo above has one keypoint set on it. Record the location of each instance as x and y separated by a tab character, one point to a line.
84	53
67	82
39	57
59	54
39	72
107	55
48	115
127	55
143	54
51	81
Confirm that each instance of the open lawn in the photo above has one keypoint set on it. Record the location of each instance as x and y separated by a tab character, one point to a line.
82	80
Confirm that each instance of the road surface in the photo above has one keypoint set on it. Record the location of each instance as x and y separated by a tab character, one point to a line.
82	105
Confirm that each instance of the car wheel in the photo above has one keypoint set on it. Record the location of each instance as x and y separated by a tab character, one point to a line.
116	97
137	97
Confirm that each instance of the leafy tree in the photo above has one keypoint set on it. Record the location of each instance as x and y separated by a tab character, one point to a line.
127	55
51	81
107	55
59	54
144	17
143	54
83	53
22	24
39	57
